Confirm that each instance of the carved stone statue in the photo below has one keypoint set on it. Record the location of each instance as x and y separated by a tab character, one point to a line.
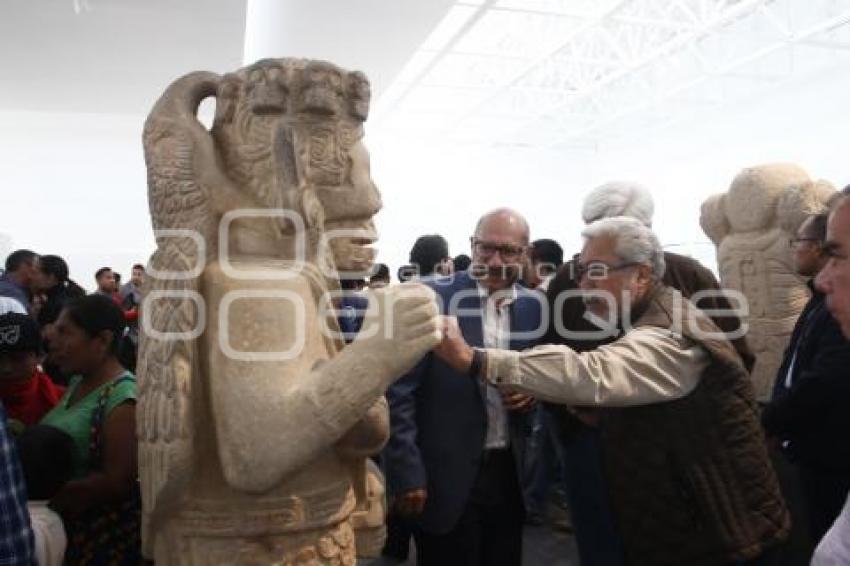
254	420
751	225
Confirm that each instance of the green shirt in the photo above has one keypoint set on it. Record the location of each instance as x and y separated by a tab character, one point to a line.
76	420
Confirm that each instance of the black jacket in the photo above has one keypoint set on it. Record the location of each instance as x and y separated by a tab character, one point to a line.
812	416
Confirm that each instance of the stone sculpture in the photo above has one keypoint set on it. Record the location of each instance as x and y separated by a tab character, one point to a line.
369	519
751	226
253	420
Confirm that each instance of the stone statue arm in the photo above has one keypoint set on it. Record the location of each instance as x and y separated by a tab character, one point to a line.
369	434
713	220
365	438
268	427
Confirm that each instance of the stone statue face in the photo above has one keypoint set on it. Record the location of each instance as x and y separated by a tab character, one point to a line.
349	208
291	135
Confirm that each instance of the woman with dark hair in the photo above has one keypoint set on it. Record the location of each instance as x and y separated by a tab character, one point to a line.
55	283
100	506
57	289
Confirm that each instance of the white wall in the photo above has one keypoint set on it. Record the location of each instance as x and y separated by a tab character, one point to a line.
74	185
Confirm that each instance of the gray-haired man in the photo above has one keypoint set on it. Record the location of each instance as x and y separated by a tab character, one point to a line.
685	458
595	530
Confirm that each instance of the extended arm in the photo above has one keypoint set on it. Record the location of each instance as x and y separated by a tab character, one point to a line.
647	365
270	425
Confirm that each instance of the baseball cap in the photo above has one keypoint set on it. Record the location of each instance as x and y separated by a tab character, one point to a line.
19	333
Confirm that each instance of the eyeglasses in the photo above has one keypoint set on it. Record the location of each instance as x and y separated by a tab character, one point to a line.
596	270
794	241
488	249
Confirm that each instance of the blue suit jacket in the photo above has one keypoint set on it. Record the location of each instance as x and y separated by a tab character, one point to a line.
437	416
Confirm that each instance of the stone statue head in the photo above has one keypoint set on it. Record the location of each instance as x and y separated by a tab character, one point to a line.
762	197
756	192
289	133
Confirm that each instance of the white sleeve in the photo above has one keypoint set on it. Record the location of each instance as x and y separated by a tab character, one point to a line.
9	304
834	547
647	365
49	534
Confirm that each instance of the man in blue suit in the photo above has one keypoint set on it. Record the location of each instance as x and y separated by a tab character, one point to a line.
456	445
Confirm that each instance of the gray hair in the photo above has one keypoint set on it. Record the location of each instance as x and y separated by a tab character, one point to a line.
635	242
619	198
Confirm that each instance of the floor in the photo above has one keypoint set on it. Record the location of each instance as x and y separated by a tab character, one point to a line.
545	546
551	544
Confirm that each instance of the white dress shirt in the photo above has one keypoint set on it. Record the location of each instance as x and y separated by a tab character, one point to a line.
496	331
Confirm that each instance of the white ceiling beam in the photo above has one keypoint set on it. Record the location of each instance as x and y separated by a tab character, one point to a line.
778	23
826	44
387	108
631	20
796	37
685	9
538	61
602	83
677	43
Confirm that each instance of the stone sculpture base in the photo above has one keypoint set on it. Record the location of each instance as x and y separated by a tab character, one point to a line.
332	546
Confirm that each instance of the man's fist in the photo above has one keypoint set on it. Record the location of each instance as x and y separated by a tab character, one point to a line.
401	325
411	503
514	401
453	349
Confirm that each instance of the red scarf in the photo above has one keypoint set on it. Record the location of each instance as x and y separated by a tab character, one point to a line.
27	401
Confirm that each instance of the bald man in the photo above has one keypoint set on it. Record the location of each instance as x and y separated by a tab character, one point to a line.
456	445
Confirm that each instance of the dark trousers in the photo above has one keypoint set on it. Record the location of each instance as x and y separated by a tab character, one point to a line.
544	462
770	557
489	532
797	549
400	529
596	533
824	493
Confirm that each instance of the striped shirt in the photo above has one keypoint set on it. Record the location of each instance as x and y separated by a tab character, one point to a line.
16	538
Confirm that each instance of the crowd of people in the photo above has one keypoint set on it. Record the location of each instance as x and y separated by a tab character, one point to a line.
654	434
70	489
596	377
